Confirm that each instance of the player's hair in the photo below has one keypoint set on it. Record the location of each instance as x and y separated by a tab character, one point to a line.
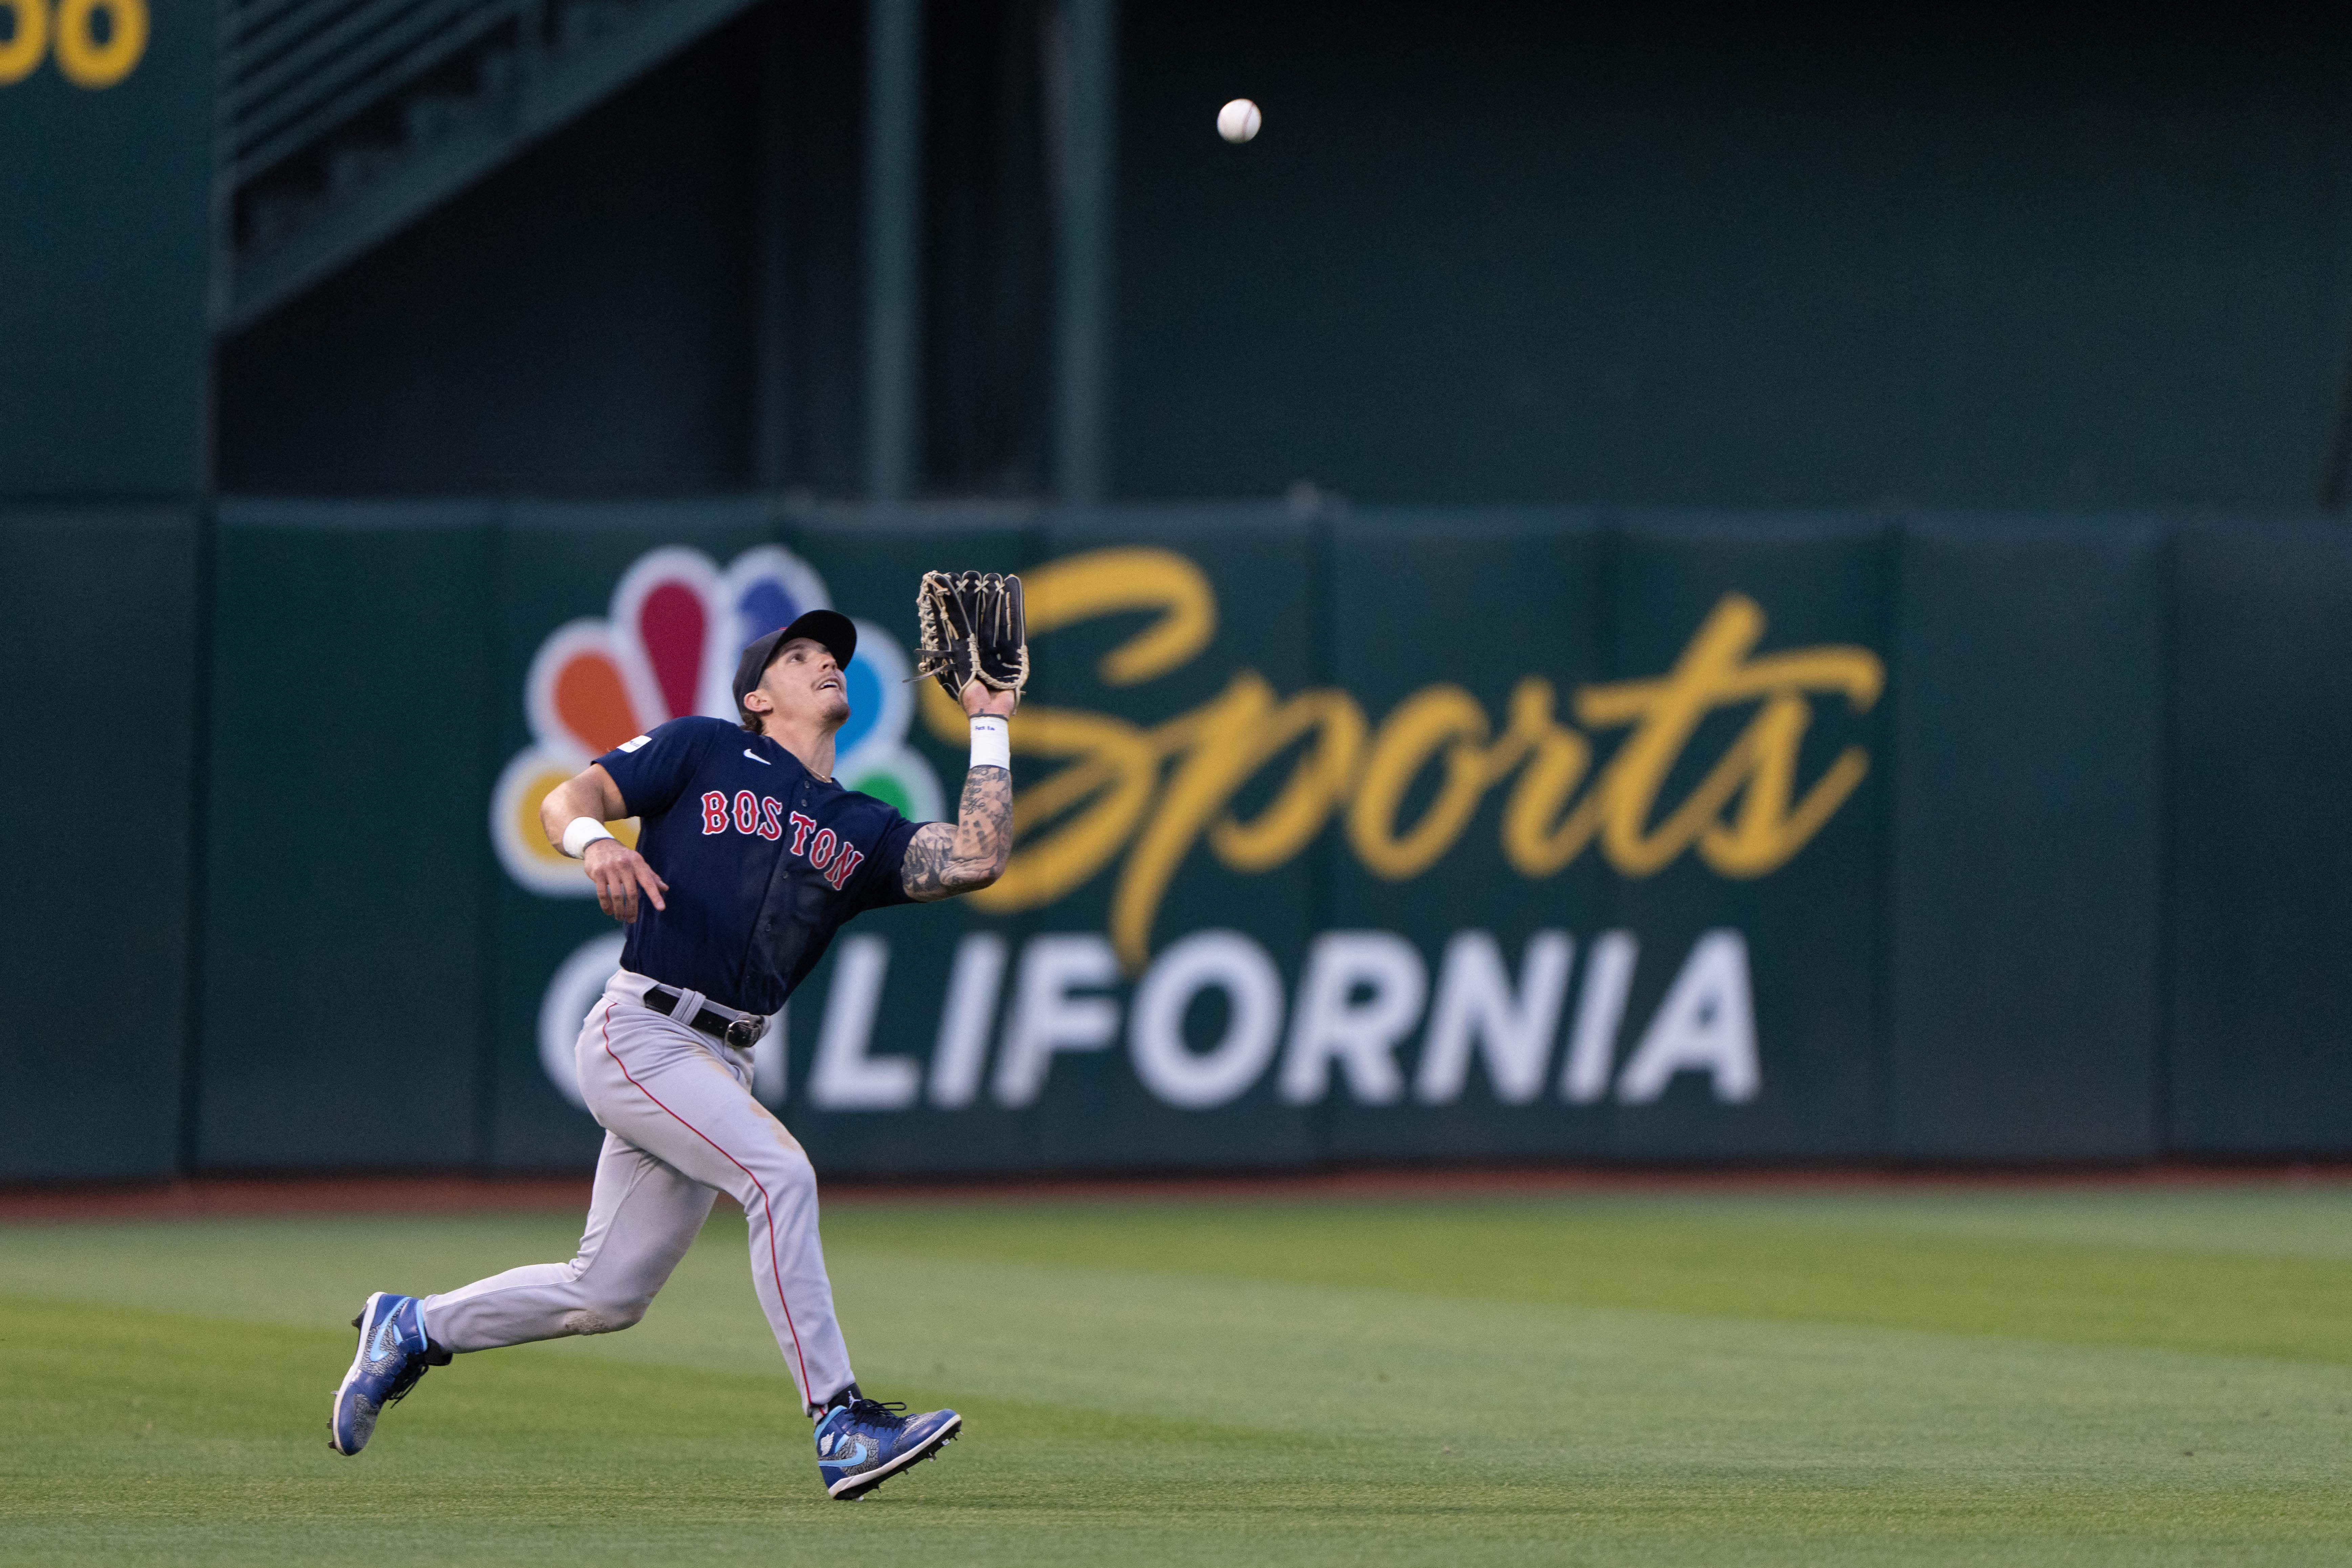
753	724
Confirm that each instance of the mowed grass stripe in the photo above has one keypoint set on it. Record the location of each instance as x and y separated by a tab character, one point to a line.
2004	1267
131	1435
1692	1260
204	1377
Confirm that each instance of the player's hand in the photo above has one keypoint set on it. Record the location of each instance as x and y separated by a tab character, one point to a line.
980	697
619	873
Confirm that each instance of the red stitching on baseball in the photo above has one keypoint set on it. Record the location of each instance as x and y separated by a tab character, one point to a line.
604	1028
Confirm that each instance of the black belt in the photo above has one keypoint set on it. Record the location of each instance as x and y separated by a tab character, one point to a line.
739	1033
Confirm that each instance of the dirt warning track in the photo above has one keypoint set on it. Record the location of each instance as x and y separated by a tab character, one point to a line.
229	1196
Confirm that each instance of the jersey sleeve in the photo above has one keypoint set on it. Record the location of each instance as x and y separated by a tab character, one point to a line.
881	882
656	767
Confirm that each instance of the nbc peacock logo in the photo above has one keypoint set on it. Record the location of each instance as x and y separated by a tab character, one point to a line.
667	647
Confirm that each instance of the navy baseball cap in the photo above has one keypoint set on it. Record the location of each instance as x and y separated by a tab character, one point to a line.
835	632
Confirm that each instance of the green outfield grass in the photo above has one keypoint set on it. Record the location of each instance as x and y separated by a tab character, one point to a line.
2118	1378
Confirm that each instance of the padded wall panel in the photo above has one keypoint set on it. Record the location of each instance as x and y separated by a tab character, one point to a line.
2261	953
98	638
346	934
2028	842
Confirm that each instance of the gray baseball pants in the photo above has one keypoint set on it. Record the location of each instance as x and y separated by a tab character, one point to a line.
680	1125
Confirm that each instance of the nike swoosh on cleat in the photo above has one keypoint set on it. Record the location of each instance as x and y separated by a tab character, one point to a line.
387	1339
865	1451
852	1488
757	758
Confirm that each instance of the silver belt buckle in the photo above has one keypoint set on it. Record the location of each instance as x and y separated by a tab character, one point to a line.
744	1033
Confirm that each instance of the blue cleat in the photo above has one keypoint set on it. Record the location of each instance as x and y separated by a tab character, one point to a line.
864	1443
392	1355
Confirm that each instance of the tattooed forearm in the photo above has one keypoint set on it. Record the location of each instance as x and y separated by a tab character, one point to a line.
947	859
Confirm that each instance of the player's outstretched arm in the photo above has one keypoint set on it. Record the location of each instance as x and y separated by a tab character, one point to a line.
619	872
947	859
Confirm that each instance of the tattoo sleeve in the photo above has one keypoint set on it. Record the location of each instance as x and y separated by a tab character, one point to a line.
947	859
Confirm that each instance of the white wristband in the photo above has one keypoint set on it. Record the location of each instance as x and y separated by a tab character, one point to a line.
991	742
583	831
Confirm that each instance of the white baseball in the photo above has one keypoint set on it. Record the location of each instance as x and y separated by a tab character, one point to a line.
1239	121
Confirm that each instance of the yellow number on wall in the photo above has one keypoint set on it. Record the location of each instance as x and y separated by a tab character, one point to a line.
29	42
82	56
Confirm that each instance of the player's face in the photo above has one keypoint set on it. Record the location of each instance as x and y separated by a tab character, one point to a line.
805	683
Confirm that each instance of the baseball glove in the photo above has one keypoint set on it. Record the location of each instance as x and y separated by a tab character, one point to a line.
972	629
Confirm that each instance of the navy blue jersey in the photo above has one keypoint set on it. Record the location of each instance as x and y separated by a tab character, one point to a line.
764	860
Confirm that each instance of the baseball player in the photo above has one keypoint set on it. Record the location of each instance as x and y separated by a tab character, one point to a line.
749	857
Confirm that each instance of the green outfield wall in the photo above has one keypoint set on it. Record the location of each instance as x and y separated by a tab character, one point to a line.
1426	835
101	640
1807	837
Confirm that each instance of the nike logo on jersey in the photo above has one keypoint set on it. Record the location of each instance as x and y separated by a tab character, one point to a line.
763	816
757	758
